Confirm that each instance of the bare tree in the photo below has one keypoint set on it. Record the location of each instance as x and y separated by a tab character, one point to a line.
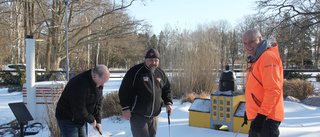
224	42
291	9
235	42
77	29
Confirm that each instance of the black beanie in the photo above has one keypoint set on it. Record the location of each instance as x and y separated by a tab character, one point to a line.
152	53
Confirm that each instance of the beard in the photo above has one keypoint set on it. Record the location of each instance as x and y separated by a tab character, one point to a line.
152	68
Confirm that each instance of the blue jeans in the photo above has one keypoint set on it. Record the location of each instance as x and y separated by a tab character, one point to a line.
70	129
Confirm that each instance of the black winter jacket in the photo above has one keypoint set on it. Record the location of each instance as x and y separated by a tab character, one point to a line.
81	100
143	92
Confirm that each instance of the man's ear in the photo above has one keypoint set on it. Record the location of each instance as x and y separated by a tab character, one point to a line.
260	38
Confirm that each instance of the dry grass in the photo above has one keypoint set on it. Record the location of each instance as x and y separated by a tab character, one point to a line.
297	88
51	104
111	105
191	96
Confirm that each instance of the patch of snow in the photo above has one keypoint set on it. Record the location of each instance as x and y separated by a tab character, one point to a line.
201	105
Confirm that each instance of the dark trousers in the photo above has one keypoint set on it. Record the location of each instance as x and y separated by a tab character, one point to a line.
70	129
143	126
270	129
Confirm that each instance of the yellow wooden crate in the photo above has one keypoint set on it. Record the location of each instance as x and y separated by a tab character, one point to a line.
199	119
237	122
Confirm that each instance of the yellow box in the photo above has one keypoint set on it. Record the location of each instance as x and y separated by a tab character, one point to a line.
237	122
199	119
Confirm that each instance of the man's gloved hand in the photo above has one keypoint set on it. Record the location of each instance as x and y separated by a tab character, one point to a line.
258	123
245	118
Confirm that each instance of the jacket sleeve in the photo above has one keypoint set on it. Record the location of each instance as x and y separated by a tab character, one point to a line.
125	89
78	103
271	79
166	92
98	115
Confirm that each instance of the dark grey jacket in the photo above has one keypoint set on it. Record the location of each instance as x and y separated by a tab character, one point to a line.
81	100
143	92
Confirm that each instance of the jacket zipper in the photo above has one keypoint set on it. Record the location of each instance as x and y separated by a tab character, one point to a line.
154	95
254	75
256	100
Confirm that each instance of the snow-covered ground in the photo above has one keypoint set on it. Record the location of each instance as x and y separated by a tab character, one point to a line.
300	120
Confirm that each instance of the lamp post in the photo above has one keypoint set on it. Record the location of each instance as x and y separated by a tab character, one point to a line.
67	58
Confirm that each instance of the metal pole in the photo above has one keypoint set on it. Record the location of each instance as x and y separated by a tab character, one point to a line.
67	58
21	129
169	124
240	129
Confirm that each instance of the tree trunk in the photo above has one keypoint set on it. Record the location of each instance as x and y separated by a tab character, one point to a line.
316	48
55	63
48	55
97	53
88	51
20	31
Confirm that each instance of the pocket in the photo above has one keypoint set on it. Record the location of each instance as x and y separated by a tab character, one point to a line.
134	102
256	100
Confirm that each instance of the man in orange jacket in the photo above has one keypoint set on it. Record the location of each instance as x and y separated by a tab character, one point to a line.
264	86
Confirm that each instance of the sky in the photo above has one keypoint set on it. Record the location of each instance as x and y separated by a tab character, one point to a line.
188	14
300	120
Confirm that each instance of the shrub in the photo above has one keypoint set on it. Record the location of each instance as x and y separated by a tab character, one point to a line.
110	105
17	80
191	96
51	104
297	88
297	75
318	77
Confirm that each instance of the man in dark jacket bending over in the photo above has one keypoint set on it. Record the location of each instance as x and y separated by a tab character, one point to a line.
81	102
141	93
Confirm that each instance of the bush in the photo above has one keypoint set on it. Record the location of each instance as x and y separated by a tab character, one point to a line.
318	77
297	88
110	105
51	104
191	96
297	75
9	80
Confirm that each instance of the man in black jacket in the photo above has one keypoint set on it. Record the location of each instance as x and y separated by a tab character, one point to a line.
81	102
141	93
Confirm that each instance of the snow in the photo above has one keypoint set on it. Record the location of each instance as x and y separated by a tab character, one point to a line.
6	114
201	105
300	120
240	110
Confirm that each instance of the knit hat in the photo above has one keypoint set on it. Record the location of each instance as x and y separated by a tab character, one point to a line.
152	53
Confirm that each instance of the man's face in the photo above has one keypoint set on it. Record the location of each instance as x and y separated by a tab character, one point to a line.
100	81
251	43
152	62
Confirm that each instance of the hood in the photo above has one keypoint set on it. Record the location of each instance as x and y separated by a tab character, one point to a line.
262	47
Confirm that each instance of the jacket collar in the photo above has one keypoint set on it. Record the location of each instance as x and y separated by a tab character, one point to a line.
261	48
89	77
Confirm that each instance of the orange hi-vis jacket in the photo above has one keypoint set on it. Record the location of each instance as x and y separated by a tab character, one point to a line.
264	86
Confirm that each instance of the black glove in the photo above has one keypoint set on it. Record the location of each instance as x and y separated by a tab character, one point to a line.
245	118
258	123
